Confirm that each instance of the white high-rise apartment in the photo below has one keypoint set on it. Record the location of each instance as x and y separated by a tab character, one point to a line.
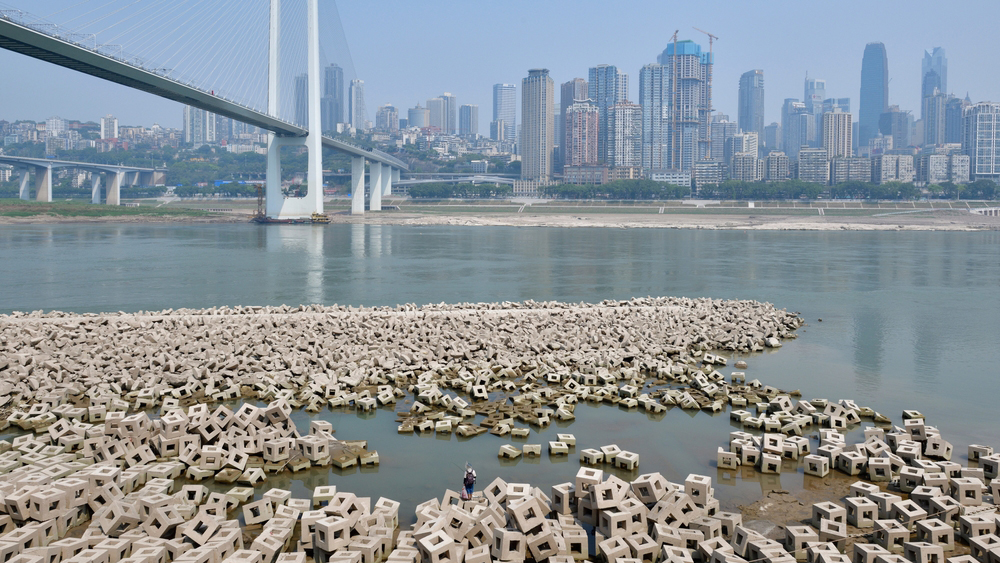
505	110
981	140
109	127
199	126
624	135
450	120
537	126
468	120
356	105
436	107
838	134
607	86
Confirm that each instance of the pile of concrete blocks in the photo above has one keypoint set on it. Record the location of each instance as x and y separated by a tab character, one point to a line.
313	357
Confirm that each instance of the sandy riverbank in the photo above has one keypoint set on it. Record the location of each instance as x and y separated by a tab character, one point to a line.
764	220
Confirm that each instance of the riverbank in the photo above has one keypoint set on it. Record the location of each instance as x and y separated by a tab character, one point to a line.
638	215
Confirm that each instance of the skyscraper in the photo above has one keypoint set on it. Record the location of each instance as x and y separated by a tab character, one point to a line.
607	86
934	111
387	119
722	131
450	121
897	124
468	120
837	134
750	110
569	92
796	121
654	98
537	127
814	94
199	126
332	103
874	92
981	140
953	119
418	117
356	104
505	109
580	142
933	72
689	114
624	135
302	100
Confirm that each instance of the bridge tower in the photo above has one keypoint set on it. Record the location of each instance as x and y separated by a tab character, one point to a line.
278	206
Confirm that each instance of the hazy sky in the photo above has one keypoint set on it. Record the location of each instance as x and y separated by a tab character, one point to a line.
408	51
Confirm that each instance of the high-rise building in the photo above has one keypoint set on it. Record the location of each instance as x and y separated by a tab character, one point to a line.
897	124
814	94
981	140
772	137
537	127
954	117
934	111
740	143
624	135
569	92
814	166
418	117
750	112
607	86
387	119
436	107
109	127
690	113
933	73
838	128
468	120
580	142
892	168
654	97
874	99
746	167
199	126
722	131
852	169
796	123
450	121
55	126
332	103
505	109
776	167
223	128
302	100
356	104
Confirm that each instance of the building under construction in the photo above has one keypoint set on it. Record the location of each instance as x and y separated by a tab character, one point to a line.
676	95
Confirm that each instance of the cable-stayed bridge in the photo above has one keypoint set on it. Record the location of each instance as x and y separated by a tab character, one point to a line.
24	33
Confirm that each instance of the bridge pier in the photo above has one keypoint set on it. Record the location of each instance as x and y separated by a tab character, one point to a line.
357	185
393	179
375	186
43	184
95	187
25	191
114	188
386	187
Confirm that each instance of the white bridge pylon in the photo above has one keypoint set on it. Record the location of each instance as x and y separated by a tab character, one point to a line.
279	206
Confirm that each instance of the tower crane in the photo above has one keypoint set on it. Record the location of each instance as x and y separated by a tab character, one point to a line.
711	62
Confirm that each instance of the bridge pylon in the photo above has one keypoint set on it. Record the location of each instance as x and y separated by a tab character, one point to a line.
277	205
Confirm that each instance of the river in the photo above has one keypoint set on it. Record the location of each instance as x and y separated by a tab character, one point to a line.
910	320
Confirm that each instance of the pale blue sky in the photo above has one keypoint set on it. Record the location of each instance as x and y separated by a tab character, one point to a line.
408	51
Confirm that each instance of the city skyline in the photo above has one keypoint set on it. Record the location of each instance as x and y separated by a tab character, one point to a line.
833	55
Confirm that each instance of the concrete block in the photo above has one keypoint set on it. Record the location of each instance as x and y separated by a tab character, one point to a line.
867	552
937	532
591	456
983	547
817	466
558	448
628	461
891	535
509	452
861	512
907	512
508	545
797	540
610	451
923	552
967	491
833	532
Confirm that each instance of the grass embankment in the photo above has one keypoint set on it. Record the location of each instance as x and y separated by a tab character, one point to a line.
21	208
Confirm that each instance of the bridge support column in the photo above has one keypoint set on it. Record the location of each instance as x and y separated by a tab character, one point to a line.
357	185
43	184
394	179
375	185
387	181
25	191
95	187
114	188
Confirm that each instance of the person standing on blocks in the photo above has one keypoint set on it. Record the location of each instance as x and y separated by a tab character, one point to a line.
469	481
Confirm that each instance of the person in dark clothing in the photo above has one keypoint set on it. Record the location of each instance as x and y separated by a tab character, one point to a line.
469	480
